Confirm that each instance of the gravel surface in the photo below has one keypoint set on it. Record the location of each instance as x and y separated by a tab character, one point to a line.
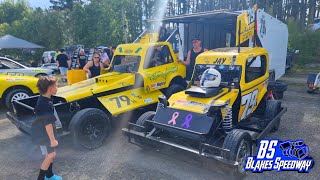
117	159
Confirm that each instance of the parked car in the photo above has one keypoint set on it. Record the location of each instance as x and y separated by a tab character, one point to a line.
25	64
52	66
316	25
15	88
11	67
48	57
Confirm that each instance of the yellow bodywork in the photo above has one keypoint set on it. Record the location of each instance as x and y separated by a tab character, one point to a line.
7	81
157	75
129	100
227	56
121	88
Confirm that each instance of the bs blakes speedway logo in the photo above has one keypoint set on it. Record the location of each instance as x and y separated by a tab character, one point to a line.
280	156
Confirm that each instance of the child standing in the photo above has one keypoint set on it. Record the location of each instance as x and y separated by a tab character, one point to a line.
43	130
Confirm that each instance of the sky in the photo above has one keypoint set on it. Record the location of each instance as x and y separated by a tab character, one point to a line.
38	3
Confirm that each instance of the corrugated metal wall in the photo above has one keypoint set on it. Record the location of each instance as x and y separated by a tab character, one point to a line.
212	35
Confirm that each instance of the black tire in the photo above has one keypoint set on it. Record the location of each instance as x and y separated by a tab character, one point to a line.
173	88
15	94
278	94
273	107
239	143
262	106
142	122
277	86
89	128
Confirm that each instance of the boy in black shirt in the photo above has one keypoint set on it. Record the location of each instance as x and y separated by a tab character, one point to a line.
43	130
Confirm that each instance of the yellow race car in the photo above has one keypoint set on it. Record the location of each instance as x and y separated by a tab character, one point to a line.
16	87
227	107
138	74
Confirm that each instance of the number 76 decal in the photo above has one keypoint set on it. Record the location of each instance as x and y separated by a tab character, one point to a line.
249	100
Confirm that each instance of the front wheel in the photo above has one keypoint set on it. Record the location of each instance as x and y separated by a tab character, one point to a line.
90	127
240	145
142	122
14	95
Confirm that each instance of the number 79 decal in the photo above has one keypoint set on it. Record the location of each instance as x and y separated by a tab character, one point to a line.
249	100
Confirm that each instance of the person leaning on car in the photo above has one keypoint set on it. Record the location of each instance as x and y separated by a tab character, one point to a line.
63	62
192	55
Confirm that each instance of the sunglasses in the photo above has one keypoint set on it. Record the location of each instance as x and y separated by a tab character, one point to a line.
195	42
96	57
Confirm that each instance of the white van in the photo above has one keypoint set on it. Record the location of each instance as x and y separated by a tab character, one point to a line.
218	29
48	56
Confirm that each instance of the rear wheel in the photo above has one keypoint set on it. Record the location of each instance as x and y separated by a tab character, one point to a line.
273	107
240	145
16	94
90	127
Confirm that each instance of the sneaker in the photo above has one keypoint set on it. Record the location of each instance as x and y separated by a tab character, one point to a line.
54	177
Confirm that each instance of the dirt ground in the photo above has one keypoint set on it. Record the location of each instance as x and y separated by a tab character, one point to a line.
117	159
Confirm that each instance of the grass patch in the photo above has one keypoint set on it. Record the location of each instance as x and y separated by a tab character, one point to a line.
303	70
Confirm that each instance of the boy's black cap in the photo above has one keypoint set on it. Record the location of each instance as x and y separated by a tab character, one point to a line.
62	50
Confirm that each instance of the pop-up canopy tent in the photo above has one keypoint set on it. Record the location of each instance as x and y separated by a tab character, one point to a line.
11	42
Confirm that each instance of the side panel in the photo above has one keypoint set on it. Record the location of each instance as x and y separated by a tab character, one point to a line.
250	98
9	81
129	100
159	77
273	35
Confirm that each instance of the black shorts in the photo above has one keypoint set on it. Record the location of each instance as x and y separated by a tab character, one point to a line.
45	150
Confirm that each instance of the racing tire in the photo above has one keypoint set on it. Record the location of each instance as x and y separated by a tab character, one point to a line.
273	107
142	122
15	94
278	94
277	88
239	143
173	88
89	128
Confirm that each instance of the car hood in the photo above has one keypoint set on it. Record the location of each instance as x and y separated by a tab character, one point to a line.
100	84
184	101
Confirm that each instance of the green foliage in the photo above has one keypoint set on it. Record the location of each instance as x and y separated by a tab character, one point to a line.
96	22
304	40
